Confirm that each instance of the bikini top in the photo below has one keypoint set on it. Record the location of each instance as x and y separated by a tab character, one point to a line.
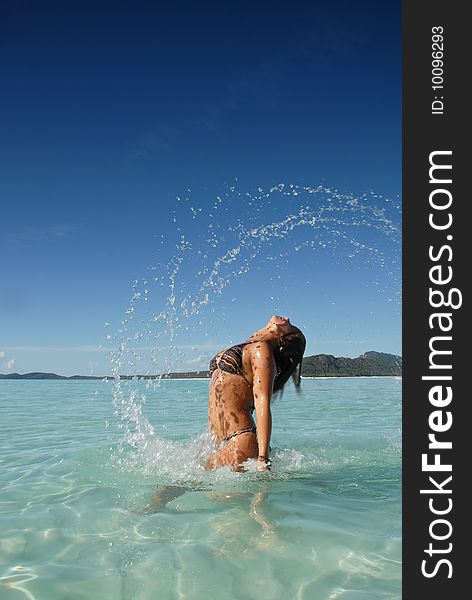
231	361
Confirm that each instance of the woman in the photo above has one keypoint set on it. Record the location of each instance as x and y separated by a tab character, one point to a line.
243	379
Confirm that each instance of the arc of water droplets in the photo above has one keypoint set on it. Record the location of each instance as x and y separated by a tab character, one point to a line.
336	213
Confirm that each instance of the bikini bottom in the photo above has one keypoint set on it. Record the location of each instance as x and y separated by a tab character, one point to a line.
247	430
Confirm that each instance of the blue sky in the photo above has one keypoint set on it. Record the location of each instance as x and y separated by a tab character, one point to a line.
112	110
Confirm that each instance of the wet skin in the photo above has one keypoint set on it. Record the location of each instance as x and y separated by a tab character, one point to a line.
232	400
233	397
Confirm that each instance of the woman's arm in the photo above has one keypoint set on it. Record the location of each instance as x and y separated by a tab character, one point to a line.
263	374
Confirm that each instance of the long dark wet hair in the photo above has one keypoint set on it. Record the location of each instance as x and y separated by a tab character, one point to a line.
288	359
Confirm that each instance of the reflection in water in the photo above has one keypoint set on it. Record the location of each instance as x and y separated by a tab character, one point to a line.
254	505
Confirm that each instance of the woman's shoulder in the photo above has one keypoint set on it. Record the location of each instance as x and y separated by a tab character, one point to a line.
258	348
251	342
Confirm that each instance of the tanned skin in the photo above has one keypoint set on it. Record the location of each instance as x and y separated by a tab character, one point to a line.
231	397
230	400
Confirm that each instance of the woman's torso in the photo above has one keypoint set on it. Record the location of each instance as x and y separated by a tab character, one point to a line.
230	401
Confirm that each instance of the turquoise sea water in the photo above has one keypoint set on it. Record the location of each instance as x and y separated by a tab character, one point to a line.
324	524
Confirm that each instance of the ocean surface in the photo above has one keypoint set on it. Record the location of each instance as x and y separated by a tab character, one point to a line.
77	472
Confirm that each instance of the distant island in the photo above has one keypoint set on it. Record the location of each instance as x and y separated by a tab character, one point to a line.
369	364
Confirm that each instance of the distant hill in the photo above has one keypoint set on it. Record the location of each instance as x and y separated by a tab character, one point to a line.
320	365
368	364
53	376
40	375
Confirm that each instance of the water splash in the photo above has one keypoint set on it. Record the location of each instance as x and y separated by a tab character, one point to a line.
175	309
